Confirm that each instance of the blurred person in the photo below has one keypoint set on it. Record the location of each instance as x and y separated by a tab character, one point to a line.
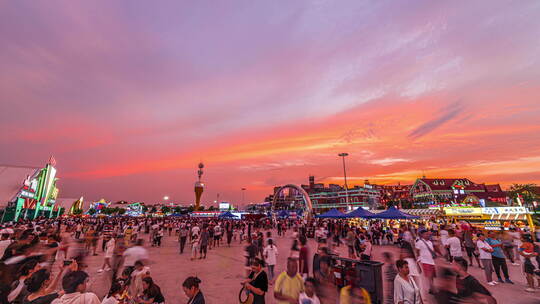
192	290
367	248
41	288
18	287
470	247
508	248
309	296
406	291
134	254
303	257
352	292
4	243
426	257
485	257
295	251
74	285
136	281
270	255
453	245
445	293
390	272
289	284
194	246
109	252
182	237
468	287
257	282
151	292
526	250
497	257
115	293
204	242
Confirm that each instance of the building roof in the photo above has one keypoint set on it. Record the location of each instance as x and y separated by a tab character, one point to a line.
447	183
11	181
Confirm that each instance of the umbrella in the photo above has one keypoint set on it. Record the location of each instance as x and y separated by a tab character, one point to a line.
393	214
359	212
334	213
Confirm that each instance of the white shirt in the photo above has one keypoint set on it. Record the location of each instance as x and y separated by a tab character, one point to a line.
444	236
134	254
271	252
109	248
425	255
109	300
483	254
304	299
406	291
455	246
195	230
367	250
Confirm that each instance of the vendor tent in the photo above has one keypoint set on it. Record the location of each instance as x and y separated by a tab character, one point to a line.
227	215
334	213
393	214
359	212
283	213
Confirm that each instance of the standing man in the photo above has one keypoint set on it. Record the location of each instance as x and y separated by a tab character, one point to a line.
485	258
182	237
426	256
497	257
453	245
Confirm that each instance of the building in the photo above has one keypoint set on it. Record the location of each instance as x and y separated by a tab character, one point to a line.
28	192
398	195
455	192
324	197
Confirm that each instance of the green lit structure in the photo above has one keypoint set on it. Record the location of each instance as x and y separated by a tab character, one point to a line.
37	197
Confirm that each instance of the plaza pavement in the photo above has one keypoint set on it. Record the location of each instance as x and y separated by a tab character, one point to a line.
223	269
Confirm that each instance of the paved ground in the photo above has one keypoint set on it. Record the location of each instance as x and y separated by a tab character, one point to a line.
224	268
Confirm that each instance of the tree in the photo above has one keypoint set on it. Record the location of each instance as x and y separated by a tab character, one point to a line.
153	209
165	209
177	209
91	211
144	209
121	211
211	208
191	208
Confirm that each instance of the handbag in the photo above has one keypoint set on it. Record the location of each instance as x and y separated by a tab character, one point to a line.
248	296
433	254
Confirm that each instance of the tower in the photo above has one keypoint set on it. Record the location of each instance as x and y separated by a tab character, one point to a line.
199	187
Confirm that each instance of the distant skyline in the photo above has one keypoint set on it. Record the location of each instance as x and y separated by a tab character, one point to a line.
129	96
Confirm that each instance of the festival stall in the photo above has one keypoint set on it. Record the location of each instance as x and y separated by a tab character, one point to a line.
333	213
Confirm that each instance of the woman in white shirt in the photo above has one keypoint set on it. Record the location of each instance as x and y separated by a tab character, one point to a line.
270	253
140	272
406	291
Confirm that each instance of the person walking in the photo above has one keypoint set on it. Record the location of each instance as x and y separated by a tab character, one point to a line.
426	257
485	258
453	245
257	282
270	254
497	257
182	237
289	284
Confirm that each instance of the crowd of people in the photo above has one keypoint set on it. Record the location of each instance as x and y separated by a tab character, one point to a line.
45	260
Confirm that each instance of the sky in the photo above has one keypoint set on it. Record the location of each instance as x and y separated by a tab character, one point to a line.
129	96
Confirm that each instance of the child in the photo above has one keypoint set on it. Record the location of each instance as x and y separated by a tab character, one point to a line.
309	296
194	246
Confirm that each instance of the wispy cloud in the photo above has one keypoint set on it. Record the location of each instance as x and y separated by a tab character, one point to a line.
449	113
388	161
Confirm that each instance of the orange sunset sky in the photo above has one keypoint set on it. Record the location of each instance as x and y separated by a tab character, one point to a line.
129	96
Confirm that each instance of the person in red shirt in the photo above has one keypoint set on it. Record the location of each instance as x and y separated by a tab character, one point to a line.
303	258
526	250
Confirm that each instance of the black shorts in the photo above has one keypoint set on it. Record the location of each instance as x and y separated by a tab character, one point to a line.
528	267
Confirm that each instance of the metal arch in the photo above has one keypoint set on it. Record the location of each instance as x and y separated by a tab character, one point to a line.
307	200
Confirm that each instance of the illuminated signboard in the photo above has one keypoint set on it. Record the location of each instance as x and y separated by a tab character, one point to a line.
463	211
504	210
224	206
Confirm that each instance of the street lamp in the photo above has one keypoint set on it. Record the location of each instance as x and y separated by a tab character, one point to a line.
166	198
243	194
343	155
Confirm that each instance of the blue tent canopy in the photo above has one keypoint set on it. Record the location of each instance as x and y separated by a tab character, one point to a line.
359	212
334	213
283	213
393	214
227	215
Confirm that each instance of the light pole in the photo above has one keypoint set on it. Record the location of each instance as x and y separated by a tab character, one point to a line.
243	195
343	155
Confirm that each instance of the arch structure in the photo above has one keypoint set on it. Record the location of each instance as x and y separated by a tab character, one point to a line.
307	205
